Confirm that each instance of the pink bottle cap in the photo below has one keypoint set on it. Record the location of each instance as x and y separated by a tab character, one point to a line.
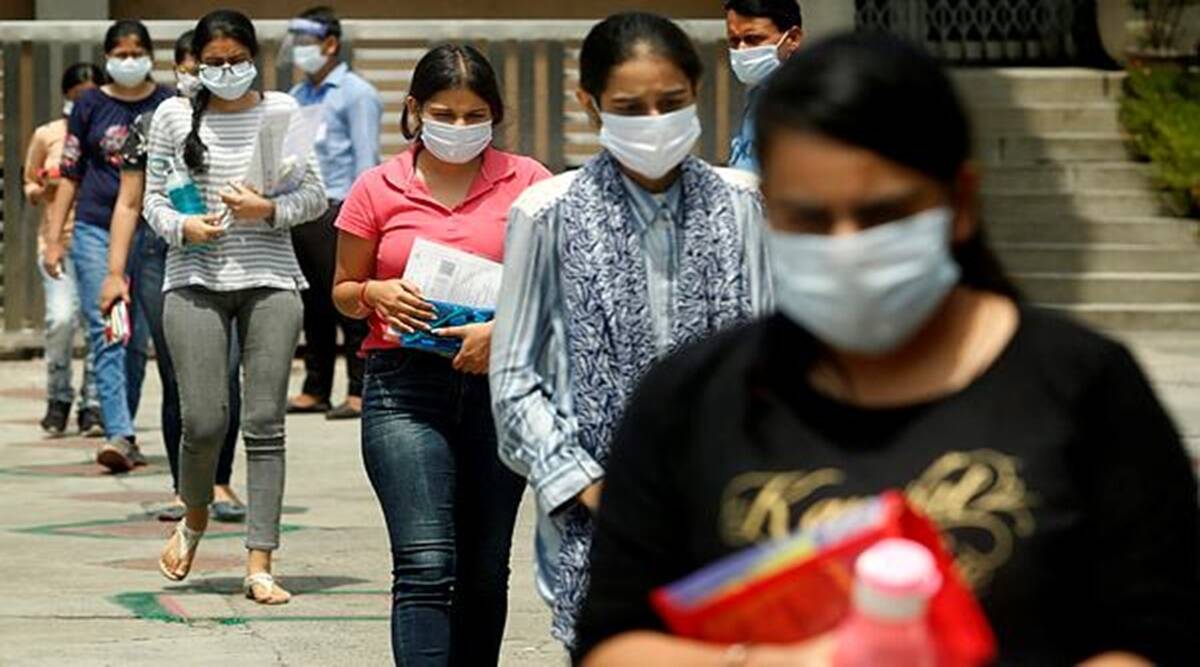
898	567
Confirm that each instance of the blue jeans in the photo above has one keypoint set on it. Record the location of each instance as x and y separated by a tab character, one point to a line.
429	445
119	368
150	297
62	319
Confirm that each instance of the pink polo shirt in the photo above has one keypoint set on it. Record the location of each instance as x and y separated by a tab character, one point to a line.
392	206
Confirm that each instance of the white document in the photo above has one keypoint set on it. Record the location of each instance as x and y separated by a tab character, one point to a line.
453	276
281	150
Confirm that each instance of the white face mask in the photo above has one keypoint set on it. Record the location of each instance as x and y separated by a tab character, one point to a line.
650	145
187	84
308	58
456	144
753	65
228	82
129	72
868	292
68	107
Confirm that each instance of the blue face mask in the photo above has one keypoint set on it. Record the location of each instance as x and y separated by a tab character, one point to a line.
869	292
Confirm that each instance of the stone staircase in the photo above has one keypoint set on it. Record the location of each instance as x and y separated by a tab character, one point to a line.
1075	219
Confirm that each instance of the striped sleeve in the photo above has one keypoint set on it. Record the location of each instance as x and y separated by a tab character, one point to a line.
156	207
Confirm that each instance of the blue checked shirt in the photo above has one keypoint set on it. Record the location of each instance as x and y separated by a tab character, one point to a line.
348	143
530	380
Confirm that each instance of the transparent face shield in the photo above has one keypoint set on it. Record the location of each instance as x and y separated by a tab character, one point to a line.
301	32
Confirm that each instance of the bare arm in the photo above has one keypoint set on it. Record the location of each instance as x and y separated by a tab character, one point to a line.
64	199
355	265
654	648
126	211
35	159
1117	659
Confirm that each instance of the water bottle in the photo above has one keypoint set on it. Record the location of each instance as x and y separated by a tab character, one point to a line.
184	194
888	625
186	198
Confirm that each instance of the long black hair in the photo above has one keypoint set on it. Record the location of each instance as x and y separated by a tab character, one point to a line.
785	14
81	73
887	96
450	66
183	47
221	23
124	28
623	36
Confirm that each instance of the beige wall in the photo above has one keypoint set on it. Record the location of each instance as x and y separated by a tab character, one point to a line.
478	9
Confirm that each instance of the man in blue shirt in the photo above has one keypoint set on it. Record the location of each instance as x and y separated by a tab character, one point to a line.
762	34
347	145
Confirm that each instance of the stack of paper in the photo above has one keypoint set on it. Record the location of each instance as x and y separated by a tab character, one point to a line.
462	288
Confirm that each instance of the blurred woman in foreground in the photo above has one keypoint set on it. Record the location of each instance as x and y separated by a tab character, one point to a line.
901	358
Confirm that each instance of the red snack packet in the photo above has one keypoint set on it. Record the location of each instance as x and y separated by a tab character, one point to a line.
117	328
811	596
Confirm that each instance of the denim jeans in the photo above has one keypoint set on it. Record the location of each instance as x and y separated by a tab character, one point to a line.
150	296
62	320
119	368
429	445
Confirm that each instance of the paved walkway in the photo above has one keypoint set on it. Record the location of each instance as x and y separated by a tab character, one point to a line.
78	577
78	584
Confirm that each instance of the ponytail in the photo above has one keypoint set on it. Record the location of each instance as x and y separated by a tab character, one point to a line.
194	150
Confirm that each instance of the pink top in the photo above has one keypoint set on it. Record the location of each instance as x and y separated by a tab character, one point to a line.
392	206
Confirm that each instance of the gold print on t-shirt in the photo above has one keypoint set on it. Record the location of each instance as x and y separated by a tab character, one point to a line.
977	494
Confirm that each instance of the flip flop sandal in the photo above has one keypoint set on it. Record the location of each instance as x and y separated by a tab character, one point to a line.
185	546
227	511
267	581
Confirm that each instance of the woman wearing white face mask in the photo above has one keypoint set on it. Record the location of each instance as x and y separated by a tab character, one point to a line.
96	132
428	440
762	35
232	267
642	250
148	287
901	358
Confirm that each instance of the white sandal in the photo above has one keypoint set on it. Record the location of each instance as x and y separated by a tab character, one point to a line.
186	546
267	581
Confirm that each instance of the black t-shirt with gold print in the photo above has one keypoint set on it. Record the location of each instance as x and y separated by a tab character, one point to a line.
1059	481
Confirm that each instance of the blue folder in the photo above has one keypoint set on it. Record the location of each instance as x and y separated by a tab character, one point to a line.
447	315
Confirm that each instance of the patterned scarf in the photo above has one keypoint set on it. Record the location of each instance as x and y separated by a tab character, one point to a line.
610	336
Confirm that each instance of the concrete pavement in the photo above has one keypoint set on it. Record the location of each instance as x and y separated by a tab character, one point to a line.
78	584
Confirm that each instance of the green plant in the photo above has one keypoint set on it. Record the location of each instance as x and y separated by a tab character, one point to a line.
1162	22
1161	112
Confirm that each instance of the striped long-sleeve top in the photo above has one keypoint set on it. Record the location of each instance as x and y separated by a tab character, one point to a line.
252	253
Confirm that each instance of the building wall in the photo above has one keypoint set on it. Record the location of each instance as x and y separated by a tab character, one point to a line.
16	9
477	9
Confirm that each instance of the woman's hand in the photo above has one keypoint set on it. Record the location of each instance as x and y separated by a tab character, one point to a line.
201	229
52	258
590	497
34	192
815	652
247	204
476	349
399	302
114	287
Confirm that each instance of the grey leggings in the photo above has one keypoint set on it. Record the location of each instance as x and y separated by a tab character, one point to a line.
198	324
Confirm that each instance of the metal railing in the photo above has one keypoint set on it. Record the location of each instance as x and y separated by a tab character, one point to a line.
1014	32
537	63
